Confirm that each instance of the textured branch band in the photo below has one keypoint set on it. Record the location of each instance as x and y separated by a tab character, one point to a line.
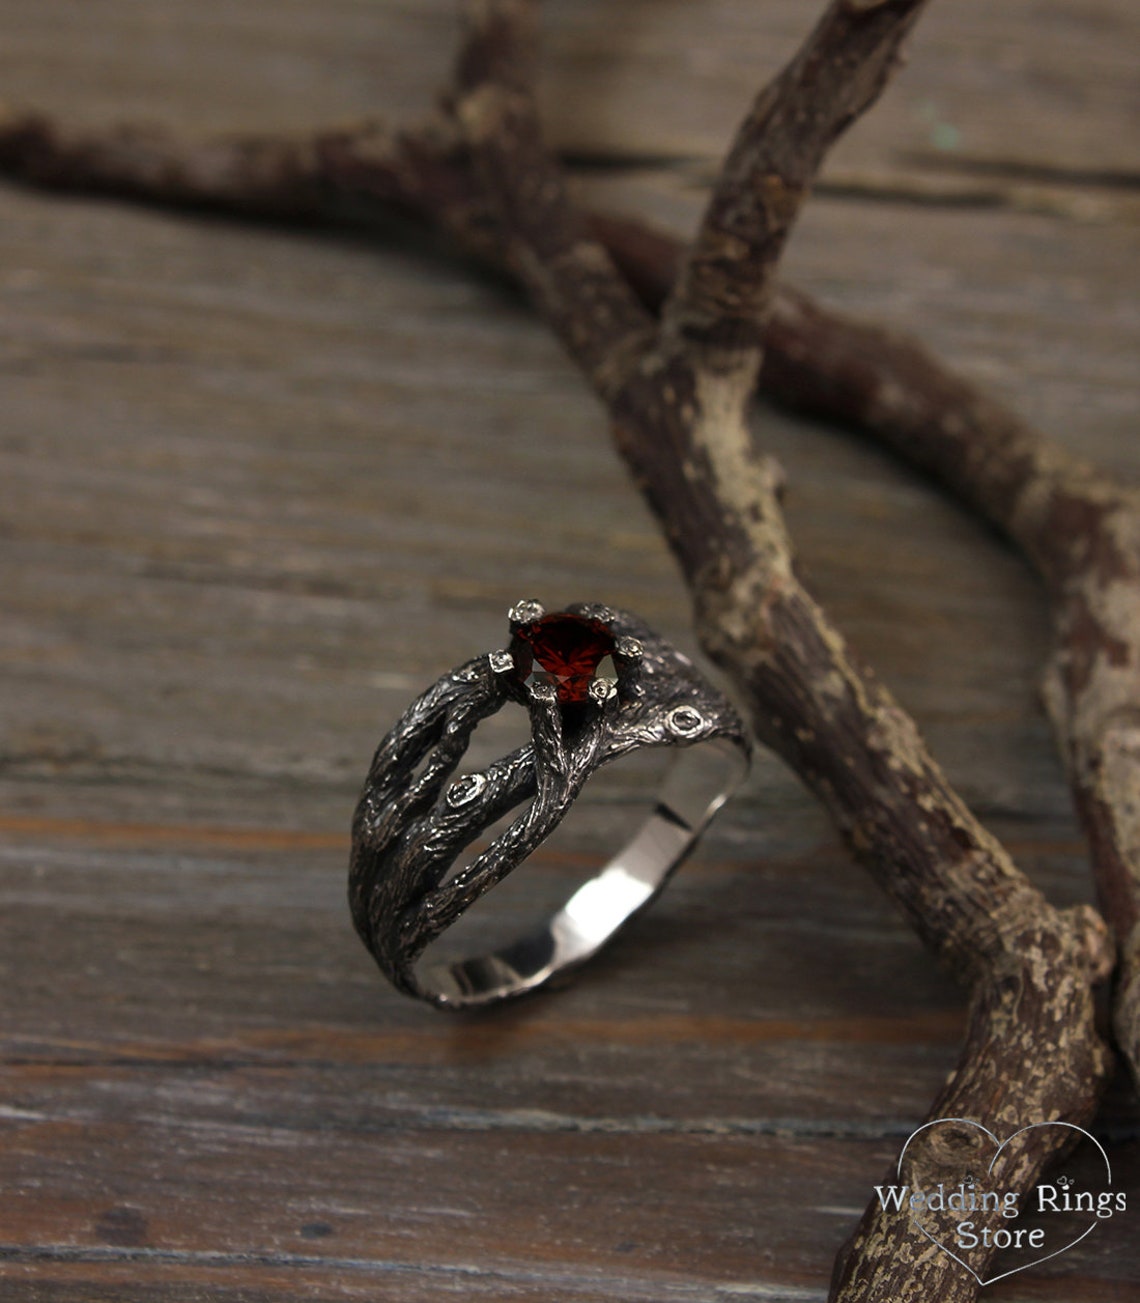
415	816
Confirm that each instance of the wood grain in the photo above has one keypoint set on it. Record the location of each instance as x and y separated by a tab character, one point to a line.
240	532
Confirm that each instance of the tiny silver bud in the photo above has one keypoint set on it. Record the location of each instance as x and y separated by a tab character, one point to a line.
465	789
685	721
526	611
606	614
601	690
500	661
629	648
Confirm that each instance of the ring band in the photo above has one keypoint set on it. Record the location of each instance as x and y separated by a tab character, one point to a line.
598	684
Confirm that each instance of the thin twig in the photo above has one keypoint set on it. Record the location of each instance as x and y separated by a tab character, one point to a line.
722	293
547	242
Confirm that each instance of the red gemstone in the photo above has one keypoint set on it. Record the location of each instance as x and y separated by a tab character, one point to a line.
568	647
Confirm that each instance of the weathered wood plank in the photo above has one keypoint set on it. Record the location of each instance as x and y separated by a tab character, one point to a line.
258	488
1048	85
239	524
156	1097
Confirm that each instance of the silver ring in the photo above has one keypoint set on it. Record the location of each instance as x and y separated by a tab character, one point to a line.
598	684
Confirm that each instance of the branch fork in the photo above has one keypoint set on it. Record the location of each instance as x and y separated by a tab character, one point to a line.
680	421
675	341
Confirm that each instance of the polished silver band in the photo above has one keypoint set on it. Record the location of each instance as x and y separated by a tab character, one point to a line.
415	817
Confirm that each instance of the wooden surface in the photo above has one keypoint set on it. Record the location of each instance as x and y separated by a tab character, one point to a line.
257	488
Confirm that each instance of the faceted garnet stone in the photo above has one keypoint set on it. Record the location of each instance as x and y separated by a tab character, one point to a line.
568	648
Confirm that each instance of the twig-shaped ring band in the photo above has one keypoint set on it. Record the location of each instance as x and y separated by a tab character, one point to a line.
598	684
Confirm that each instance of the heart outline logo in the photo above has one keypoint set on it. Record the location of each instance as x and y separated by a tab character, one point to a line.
999	1147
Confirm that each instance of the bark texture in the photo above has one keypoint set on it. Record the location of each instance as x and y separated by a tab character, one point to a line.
678	396
678	390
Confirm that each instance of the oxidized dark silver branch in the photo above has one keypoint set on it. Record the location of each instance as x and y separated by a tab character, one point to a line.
411	827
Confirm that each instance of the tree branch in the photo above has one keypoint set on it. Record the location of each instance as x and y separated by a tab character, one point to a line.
679	418
545	239
1080	532
722	293
678	401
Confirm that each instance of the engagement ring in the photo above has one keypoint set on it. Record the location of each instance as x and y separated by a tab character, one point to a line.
598	684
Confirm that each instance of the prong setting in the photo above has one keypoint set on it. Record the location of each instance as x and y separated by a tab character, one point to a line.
606	614
542	690
501	662
602	690
525	612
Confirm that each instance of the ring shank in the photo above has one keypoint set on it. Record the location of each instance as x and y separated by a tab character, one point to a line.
699	781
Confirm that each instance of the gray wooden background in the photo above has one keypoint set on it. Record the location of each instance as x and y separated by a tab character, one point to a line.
259	487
